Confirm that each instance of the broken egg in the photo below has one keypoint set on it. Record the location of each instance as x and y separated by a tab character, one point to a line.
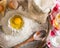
17	28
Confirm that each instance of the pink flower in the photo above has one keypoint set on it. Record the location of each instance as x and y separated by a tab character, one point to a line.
56	7
52	33
49	44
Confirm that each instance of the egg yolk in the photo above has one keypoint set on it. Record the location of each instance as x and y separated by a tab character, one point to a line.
59	16
57	21
16	22
56	24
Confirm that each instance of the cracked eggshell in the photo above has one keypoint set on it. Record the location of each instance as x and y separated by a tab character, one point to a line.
2	8
12	4
35	14
43	5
